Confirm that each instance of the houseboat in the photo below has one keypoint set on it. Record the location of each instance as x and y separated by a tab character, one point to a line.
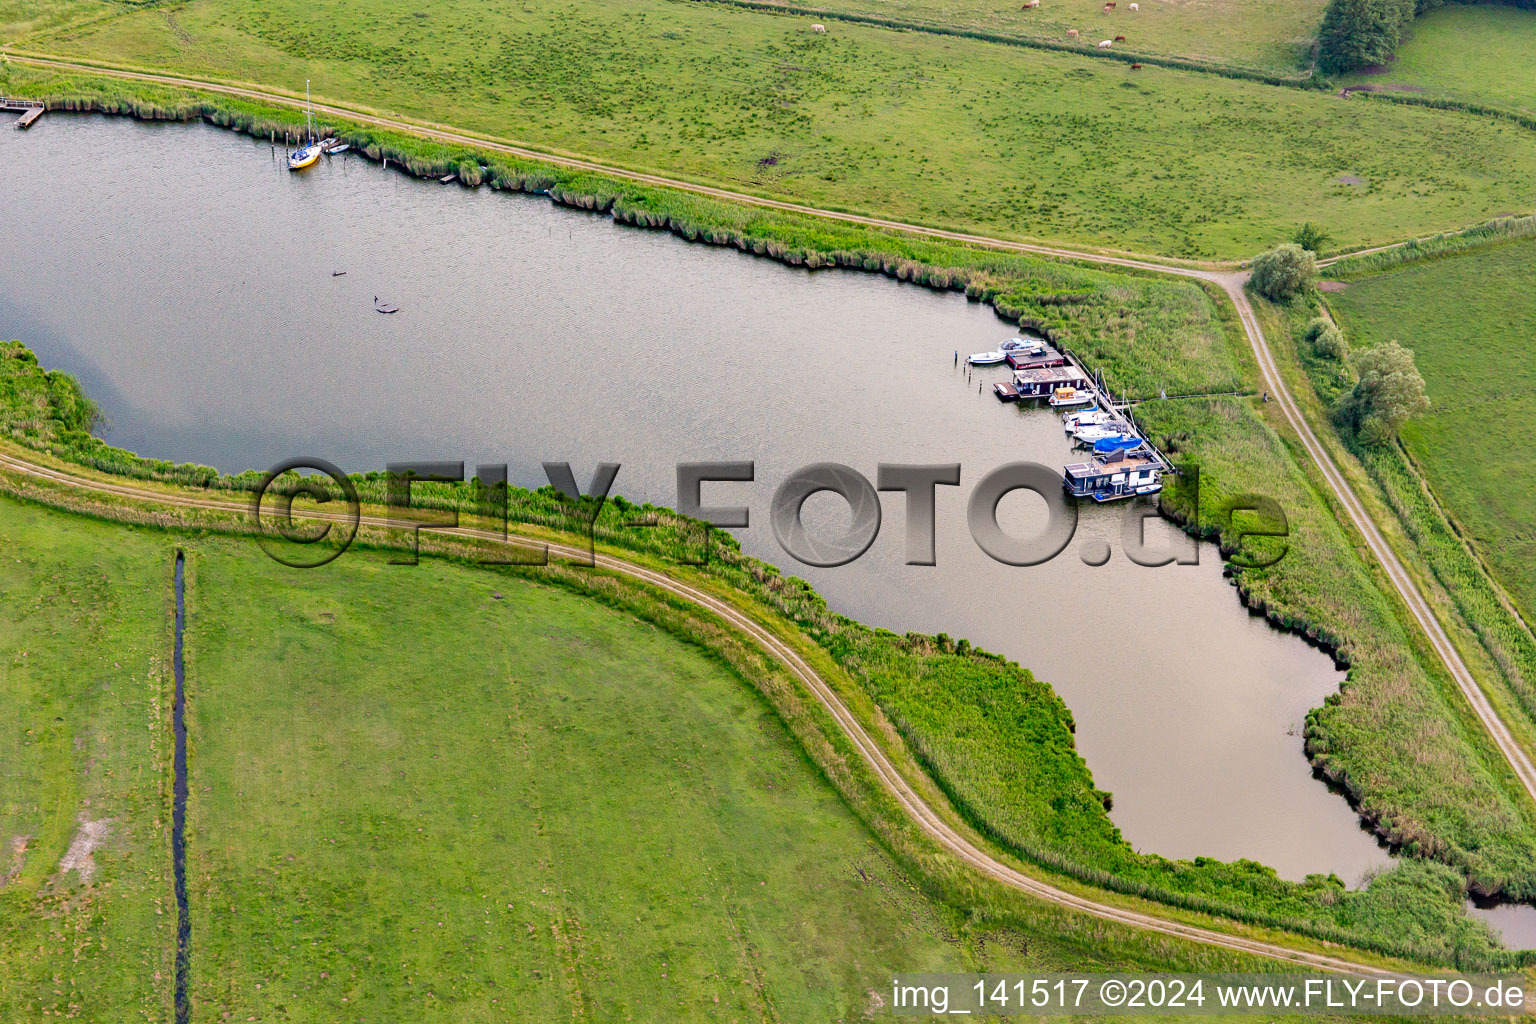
1113	476
1043	381
1033	355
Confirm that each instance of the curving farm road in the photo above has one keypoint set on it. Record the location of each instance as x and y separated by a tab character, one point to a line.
1231	282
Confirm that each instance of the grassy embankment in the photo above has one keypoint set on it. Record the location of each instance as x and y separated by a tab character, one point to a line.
940	130
1016	775
1476	53
85	745
1465	313
1477	611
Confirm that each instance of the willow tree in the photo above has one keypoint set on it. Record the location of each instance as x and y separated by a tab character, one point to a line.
1390	392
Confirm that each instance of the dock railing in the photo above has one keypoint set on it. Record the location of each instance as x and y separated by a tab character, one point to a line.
1104	399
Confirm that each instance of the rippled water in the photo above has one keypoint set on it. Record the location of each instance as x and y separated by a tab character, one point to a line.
186	276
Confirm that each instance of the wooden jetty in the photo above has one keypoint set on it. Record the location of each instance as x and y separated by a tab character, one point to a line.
30	110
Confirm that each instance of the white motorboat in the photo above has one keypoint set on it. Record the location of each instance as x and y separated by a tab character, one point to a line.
1088	433
987	358
1086	418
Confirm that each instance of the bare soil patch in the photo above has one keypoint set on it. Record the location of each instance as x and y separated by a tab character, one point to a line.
78	858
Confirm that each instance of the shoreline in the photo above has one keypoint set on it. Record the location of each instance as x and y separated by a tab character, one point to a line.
972	281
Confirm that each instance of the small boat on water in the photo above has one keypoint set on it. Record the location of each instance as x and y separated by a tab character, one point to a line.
1093	433
1032	346
987	358
334	146
338	273
308	153
1117	443
384	307
1062	397
1086	418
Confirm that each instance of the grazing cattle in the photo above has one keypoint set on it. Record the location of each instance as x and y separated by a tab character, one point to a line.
1135	67
1106	44
818	28
1031	5
1135	7
1071	33
1119	39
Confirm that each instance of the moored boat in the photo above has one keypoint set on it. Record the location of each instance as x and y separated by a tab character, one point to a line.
1085	418
986	358
1092	433
308	153
1117	443
1071	396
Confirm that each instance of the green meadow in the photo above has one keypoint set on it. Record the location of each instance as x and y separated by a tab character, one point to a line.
1469	319
538	806
1475	53
1275	38
949	131
87	915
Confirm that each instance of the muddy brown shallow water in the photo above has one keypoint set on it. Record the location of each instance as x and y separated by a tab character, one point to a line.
189	284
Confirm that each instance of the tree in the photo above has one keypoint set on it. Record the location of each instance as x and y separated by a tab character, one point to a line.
1311	237
1389	393
1358	33
1283	272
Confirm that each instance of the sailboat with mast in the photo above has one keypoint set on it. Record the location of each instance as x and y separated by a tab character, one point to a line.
313	147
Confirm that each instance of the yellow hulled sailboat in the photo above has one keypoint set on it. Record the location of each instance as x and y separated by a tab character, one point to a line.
312	148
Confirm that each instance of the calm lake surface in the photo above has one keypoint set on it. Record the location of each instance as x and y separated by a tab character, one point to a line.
185	275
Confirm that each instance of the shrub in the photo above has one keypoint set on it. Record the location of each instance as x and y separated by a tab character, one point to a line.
1311	237
1284	272
1326	339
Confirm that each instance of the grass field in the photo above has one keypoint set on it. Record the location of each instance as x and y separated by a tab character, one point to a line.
1469	320
1269	37
569	815
1477	53
20	18
950	131
85	746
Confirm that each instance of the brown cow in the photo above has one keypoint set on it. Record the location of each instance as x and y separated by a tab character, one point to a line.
1119	39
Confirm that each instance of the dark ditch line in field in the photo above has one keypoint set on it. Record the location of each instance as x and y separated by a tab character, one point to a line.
179	801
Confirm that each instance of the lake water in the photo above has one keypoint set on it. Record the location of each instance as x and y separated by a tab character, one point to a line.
185	275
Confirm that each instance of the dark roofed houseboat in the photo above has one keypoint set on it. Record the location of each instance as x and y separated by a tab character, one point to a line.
1113	476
